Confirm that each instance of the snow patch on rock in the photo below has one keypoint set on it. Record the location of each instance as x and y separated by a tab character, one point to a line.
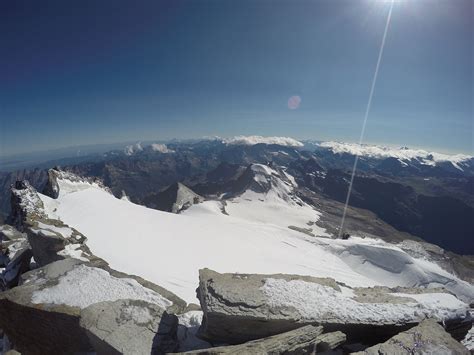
315	301
84	285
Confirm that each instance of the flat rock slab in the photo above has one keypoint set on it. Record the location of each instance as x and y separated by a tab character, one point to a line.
8	232
304	340
243	307
427	338
129	327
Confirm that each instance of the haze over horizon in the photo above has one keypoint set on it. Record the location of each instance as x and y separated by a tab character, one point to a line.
111	72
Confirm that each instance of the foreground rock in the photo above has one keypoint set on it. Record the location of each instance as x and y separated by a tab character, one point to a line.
15	256
15	268
43	314
427	338
11	242
50	239
130	327
243	307
305	340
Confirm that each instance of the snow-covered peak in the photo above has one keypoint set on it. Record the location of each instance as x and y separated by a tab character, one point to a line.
262	169
403	154
162	148
269	197
133	148
266	179
252	140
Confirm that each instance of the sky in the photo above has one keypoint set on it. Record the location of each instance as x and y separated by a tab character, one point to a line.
91	72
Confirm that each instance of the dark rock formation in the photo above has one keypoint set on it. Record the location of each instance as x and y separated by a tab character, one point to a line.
11	241
304	340
36	177
427	338
176	198
51	188
46	244
15	268
130	327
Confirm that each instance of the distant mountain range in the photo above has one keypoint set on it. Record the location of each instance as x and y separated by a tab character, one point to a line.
429	195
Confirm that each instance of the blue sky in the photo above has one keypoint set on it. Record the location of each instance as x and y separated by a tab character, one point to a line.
86	72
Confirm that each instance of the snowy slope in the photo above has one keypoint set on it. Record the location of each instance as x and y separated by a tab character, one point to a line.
248	235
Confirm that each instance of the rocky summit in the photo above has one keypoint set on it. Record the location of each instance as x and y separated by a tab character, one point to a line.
234	254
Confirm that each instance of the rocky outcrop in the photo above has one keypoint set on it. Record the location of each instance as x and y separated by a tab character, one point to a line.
41	327
10	233
11	242
25	205
15	268
51	188
50	239
305	340
175	198
43	314
15	256
130	327
36	177
427	338
46	245
242	307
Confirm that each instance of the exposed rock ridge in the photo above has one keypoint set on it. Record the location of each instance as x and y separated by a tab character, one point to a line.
427	338
50	239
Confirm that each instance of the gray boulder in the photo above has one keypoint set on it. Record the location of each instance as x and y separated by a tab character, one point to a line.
129	327
11	242
43	314
15	268
243	307
10	233
46	244
25	205
51	188
175	198
305	340
426	338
